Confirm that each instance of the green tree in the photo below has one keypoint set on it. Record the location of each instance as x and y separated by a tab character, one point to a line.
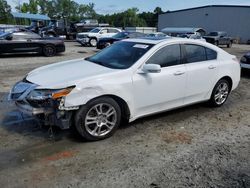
5	12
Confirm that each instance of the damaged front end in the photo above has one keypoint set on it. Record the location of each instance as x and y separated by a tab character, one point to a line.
45	104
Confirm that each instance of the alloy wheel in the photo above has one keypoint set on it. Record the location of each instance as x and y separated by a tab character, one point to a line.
221	93
100	119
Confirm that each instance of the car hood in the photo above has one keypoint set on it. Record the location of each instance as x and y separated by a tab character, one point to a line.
66	73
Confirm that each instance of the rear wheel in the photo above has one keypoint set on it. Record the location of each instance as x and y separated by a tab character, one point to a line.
220	93
49	50
98	119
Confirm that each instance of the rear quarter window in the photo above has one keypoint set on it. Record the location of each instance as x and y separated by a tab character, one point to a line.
211	54
196	53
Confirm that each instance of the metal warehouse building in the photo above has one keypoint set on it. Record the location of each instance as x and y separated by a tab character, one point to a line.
235	20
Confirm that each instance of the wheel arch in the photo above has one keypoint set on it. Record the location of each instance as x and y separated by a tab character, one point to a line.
229	79
125	110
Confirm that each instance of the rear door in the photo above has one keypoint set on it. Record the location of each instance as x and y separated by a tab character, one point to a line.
202	68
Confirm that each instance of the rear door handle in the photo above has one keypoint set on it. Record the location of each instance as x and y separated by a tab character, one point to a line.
211	67
178	73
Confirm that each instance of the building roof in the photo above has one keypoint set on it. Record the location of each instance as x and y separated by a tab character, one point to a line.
30	16
208	6
182	30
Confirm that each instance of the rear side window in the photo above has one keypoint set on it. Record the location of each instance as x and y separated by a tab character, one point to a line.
211	54
196	53
167	56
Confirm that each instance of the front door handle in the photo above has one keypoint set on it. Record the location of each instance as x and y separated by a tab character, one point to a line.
178	73
211	67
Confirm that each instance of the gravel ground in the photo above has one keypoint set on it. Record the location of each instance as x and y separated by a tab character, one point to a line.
195	146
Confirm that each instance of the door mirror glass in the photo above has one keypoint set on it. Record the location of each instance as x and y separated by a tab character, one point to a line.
151	68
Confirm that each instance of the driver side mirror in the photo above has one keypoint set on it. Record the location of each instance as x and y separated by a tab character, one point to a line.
151	68
101	32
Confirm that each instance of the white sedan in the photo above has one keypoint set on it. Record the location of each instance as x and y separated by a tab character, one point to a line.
128	80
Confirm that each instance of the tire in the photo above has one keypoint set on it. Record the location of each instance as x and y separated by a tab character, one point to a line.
93	42
216	43
49	50
229	45
220	93
92	121
107	44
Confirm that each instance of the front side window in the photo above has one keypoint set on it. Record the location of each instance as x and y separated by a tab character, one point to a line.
120	55
167	56
104	31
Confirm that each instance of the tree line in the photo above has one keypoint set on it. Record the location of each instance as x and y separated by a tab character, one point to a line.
75	12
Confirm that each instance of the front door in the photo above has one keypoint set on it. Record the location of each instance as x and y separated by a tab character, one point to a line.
155	92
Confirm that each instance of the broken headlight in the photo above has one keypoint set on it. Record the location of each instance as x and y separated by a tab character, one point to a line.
44	94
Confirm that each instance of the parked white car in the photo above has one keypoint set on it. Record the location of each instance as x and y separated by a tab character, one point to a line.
91	38
128	80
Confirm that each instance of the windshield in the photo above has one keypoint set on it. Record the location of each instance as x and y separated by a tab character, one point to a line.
213	34
96	30
120	55
121	35
4	35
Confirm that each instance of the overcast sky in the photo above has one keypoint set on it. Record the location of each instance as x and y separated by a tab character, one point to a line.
111	6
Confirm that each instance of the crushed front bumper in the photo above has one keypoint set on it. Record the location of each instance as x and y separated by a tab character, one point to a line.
31	111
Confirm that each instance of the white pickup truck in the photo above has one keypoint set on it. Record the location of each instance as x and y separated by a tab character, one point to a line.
91	37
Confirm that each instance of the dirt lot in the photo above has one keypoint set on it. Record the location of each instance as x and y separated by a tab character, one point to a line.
196	146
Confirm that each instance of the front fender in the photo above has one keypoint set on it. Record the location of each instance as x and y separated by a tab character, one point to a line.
79	97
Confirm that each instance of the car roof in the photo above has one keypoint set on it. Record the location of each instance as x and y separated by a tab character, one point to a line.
157	40
169	40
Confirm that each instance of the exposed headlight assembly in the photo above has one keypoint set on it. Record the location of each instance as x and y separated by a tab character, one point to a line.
44	94
243	59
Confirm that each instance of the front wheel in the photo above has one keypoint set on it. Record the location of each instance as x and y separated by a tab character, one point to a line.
98	119
93	42
49	50
220	93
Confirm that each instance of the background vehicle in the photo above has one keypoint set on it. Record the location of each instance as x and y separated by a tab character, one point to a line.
219	38
157	34
107	41
245	61
196	36
91	38
26	41
132	78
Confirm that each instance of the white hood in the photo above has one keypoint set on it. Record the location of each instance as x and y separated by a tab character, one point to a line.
65	73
